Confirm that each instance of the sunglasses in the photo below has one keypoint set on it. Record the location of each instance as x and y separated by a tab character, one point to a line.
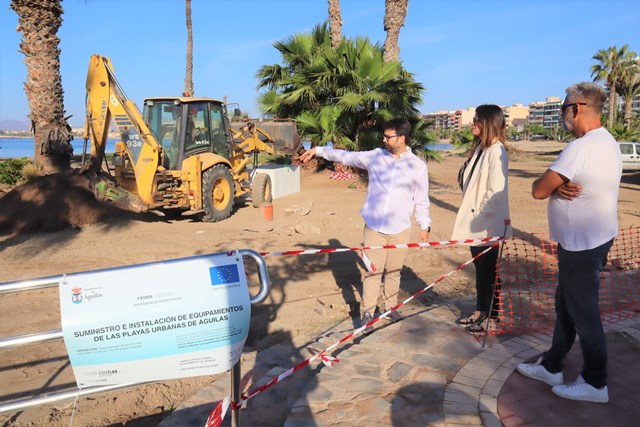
475	120
565	106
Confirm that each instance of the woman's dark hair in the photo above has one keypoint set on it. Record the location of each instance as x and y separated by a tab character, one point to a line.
492	126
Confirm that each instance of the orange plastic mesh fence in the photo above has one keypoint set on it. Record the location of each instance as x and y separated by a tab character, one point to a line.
528	271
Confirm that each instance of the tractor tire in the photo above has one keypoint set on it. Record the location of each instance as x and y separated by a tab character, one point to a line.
261	191
218	192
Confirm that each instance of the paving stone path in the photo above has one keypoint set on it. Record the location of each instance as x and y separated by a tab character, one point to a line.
422	371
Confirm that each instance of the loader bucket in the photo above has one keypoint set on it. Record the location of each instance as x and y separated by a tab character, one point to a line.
283	132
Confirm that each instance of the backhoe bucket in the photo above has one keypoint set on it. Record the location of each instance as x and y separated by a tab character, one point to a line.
119	197
283	132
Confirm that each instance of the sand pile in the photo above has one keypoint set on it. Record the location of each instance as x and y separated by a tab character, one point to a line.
51	203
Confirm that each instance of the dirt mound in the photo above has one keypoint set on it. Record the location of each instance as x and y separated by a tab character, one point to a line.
51	203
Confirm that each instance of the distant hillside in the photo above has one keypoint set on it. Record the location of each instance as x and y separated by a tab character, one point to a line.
22	125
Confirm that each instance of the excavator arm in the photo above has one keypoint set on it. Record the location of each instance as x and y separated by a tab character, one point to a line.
253	139
106	101
272	136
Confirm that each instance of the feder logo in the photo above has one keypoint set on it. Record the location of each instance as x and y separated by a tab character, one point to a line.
76	295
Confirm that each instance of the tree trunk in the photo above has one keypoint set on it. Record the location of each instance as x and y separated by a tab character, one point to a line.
628	104
335	21
39	21
394	14
188	81
612	105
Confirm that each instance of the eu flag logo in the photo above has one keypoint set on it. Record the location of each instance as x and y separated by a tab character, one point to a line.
223	274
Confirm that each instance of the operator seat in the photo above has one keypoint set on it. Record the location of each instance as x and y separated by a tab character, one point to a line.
169	142
219	140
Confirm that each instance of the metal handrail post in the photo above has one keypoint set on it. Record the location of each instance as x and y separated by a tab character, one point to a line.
236	370
236	375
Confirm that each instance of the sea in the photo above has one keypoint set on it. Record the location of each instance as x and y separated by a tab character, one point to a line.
15	148
441	147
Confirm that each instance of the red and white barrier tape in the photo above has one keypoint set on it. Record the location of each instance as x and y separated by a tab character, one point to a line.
221	408
218	413
371	268
398	246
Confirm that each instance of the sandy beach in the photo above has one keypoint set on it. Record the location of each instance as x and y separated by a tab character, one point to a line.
306	297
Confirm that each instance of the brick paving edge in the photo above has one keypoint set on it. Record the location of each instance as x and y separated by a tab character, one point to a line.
503	359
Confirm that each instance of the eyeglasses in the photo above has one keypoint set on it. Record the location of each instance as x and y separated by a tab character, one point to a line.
475	120
388	137
565	106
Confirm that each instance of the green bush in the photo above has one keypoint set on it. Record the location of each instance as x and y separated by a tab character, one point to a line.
11	170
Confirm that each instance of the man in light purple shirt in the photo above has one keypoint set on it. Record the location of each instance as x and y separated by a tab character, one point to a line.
398	186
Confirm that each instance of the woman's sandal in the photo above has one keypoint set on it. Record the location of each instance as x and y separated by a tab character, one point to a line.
479	328
475	317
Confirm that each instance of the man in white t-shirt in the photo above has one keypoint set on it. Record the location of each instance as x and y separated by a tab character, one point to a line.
582	186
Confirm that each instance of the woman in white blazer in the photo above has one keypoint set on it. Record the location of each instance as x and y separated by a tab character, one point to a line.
484	208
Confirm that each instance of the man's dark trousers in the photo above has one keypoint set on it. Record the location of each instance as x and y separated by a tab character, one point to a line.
577	311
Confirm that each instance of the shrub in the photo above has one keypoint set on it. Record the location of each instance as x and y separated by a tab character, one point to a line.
30	171
11	170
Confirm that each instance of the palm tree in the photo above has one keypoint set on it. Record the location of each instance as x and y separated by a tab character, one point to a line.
629	86
188	80
394	14
422	140
536	130
608	71
558	133
513	134
39	21
341	95
323	126
291	86
463	138
621	132
335	20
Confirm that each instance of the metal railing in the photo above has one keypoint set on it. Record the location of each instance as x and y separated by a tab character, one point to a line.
56	334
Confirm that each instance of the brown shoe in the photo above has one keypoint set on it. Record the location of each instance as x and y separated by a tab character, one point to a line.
476	317
394	316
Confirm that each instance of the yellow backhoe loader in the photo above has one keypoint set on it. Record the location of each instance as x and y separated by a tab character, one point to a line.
181	155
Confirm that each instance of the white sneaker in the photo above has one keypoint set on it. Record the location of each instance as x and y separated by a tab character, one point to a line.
579	380
540	373
580	390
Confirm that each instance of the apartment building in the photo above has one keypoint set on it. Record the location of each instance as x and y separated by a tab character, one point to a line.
454	120
441	119
465	117
545	113
516	115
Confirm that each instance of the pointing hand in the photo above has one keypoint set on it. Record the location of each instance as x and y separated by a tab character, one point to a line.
308	155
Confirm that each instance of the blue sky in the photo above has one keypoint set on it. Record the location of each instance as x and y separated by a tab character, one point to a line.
465	52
